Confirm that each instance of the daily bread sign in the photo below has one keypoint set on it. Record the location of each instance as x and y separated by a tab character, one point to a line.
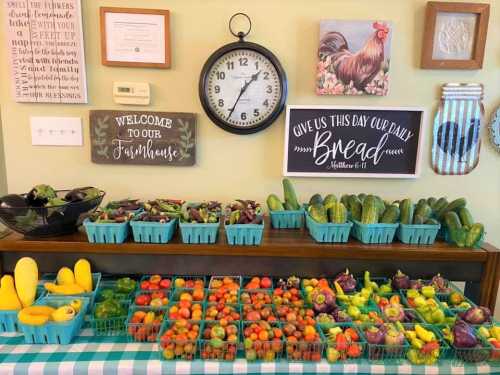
328	141
133	137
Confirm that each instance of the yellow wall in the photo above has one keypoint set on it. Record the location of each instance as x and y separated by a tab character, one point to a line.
231	166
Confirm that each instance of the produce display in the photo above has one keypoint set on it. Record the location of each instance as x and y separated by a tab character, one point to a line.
243	212
144	325
70	282
426	345
385	341
303	340
179	341
327	210
262	341
38	315
343	343
219	342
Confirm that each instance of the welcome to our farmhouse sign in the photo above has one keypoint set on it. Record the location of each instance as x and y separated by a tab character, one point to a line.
151	138
326	141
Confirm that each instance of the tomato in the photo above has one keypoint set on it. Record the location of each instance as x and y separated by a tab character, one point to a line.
165	284
142	300
145	285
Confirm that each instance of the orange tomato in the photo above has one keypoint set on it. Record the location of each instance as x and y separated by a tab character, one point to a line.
263	335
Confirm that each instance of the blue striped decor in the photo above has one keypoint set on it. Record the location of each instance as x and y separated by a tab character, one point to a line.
456	135
494	129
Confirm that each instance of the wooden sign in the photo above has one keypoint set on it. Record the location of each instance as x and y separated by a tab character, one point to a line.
329	141
150	138
45	43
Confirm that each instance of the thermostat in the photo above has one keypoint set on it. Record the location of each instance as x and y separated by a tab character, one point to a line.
131	93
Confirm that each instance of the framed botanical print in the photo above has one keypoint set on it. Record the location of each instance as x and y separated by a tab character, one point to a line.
454	35
135	37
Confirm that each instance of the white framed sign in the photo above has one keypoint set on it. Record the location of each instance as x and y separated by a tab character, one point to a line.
353	141
46	51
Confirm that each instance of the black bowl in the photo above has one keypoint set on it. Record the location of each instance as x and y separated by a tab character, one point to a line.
49	221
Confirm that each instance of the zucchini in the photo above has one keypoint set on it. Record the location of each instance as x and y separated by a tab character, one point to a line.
369	214
465	217
406	207
290	196
452	221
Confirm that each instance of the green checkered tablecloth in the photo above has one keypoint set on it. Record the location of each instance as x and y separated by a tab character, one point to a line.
115	356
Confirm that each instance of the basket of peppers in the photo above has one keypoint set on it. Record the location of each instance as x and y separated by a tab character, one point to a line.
156	224
108	225
244	223
199	222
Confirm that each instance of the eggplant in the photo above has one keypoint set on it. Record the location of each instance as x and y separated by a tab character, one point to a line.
463	335
375	335
440	284
476	315
341	316
400	281
394	313
346	281
323	301
40	195
80	194
14	204
416	284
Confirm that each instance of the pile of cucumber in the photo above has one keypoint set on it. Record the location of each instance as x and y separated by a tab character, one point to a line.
327	210
371	209
421	213
291	203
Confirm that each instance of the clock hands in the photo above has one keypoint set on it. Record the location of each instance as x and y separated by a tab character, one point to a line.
242	91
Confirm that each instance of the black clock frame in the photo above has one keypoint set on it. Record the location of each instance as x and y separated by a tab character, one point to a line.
204	77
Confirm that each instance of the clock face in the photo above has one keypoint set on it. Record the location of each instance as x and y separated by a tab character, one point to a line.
243	90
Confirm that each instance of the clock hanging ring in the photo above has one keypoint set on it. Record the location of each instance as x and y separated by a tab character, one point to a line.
243	87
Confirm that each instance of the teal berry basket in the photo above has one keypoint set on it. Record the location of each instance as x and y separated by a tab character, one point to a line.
199	233
112	326
385	354
415	234
96	282
244	234
60	333
445	351
110	285
335	354
293	219
153	232
106	232
8	318
445	303
172	349
220	350
144	332
259	351
328	232
374	233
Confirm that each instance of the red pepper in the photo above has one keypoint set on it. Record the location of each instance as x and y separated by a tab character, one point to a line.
351	332
354	351
341	342
430	347
495	353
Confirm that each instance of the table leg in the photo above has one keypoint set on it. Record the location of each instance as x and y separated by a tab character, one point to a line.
489	281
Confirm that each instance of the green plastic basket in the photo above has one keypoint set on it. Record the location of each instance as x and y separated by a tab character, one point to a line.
374	233
171	350
444	298
343	354
262	351
293	219
114	326
494	359
445	351
385	354
305	351
220	351
111	284
141	332
328	232
416	234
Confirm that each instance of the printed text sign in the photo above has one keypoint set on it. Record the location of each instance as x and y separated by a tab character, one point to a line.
133	137
352	141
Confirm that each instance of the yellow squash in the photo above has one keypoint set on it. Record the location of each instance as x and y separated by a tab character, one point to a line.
35	315
83	275
65	276
26	277
8	296
68	290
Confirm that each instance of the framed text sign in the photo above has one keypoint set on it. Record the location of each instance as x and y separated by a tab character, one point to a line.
330	141
151	138
45	44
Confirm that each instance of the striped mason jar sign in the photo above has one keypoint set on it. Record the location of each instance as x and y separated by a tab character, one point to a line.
457	128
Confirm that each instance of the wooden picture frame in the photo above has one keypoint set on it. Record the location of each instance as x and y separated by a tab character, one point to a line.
156	54
475	47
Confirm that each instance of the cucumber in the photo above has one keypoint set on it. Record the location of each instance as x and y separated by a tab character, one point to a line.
362	197
355	207
290	196
316	199
431	222
380	206
369	214
418	219
406	207
423	210
474	234
456	205
421	202
329	201
318	213
274	203
345	200
440	204
465	217
431	201
452	221
391	215
337	213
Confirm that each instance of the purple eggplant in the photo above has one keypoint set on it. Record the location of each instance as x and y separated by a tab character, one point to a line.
323	301
416	284
375	335
400	281
476	315
341	316
440	284
463	335
346	281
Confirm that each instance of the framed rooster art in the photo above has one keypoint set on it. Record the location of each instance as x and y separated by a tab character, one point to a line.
354	58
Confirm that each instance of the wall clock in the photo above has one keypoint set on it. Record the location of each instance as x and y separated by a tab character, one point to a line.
243	87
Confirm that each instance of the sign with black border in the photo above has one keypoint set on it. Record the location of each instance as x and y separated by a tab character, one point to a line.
353	141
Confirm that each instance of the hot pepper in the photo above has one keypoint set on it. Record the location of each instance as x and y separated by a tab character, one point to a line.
341	342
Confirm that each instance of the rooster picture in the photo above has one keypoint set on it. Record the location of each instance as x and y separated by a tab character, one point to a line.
344	71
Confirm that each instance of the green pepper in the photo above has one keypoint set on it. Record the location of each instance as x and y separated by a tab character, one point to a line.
108	309
106	294
125	285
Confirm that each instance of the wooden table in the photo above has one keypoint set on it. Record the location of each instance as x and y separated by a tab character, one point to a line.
282	252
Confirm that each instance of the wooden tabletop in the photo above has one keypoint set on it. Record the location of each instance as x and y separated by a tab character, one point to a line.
275	243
